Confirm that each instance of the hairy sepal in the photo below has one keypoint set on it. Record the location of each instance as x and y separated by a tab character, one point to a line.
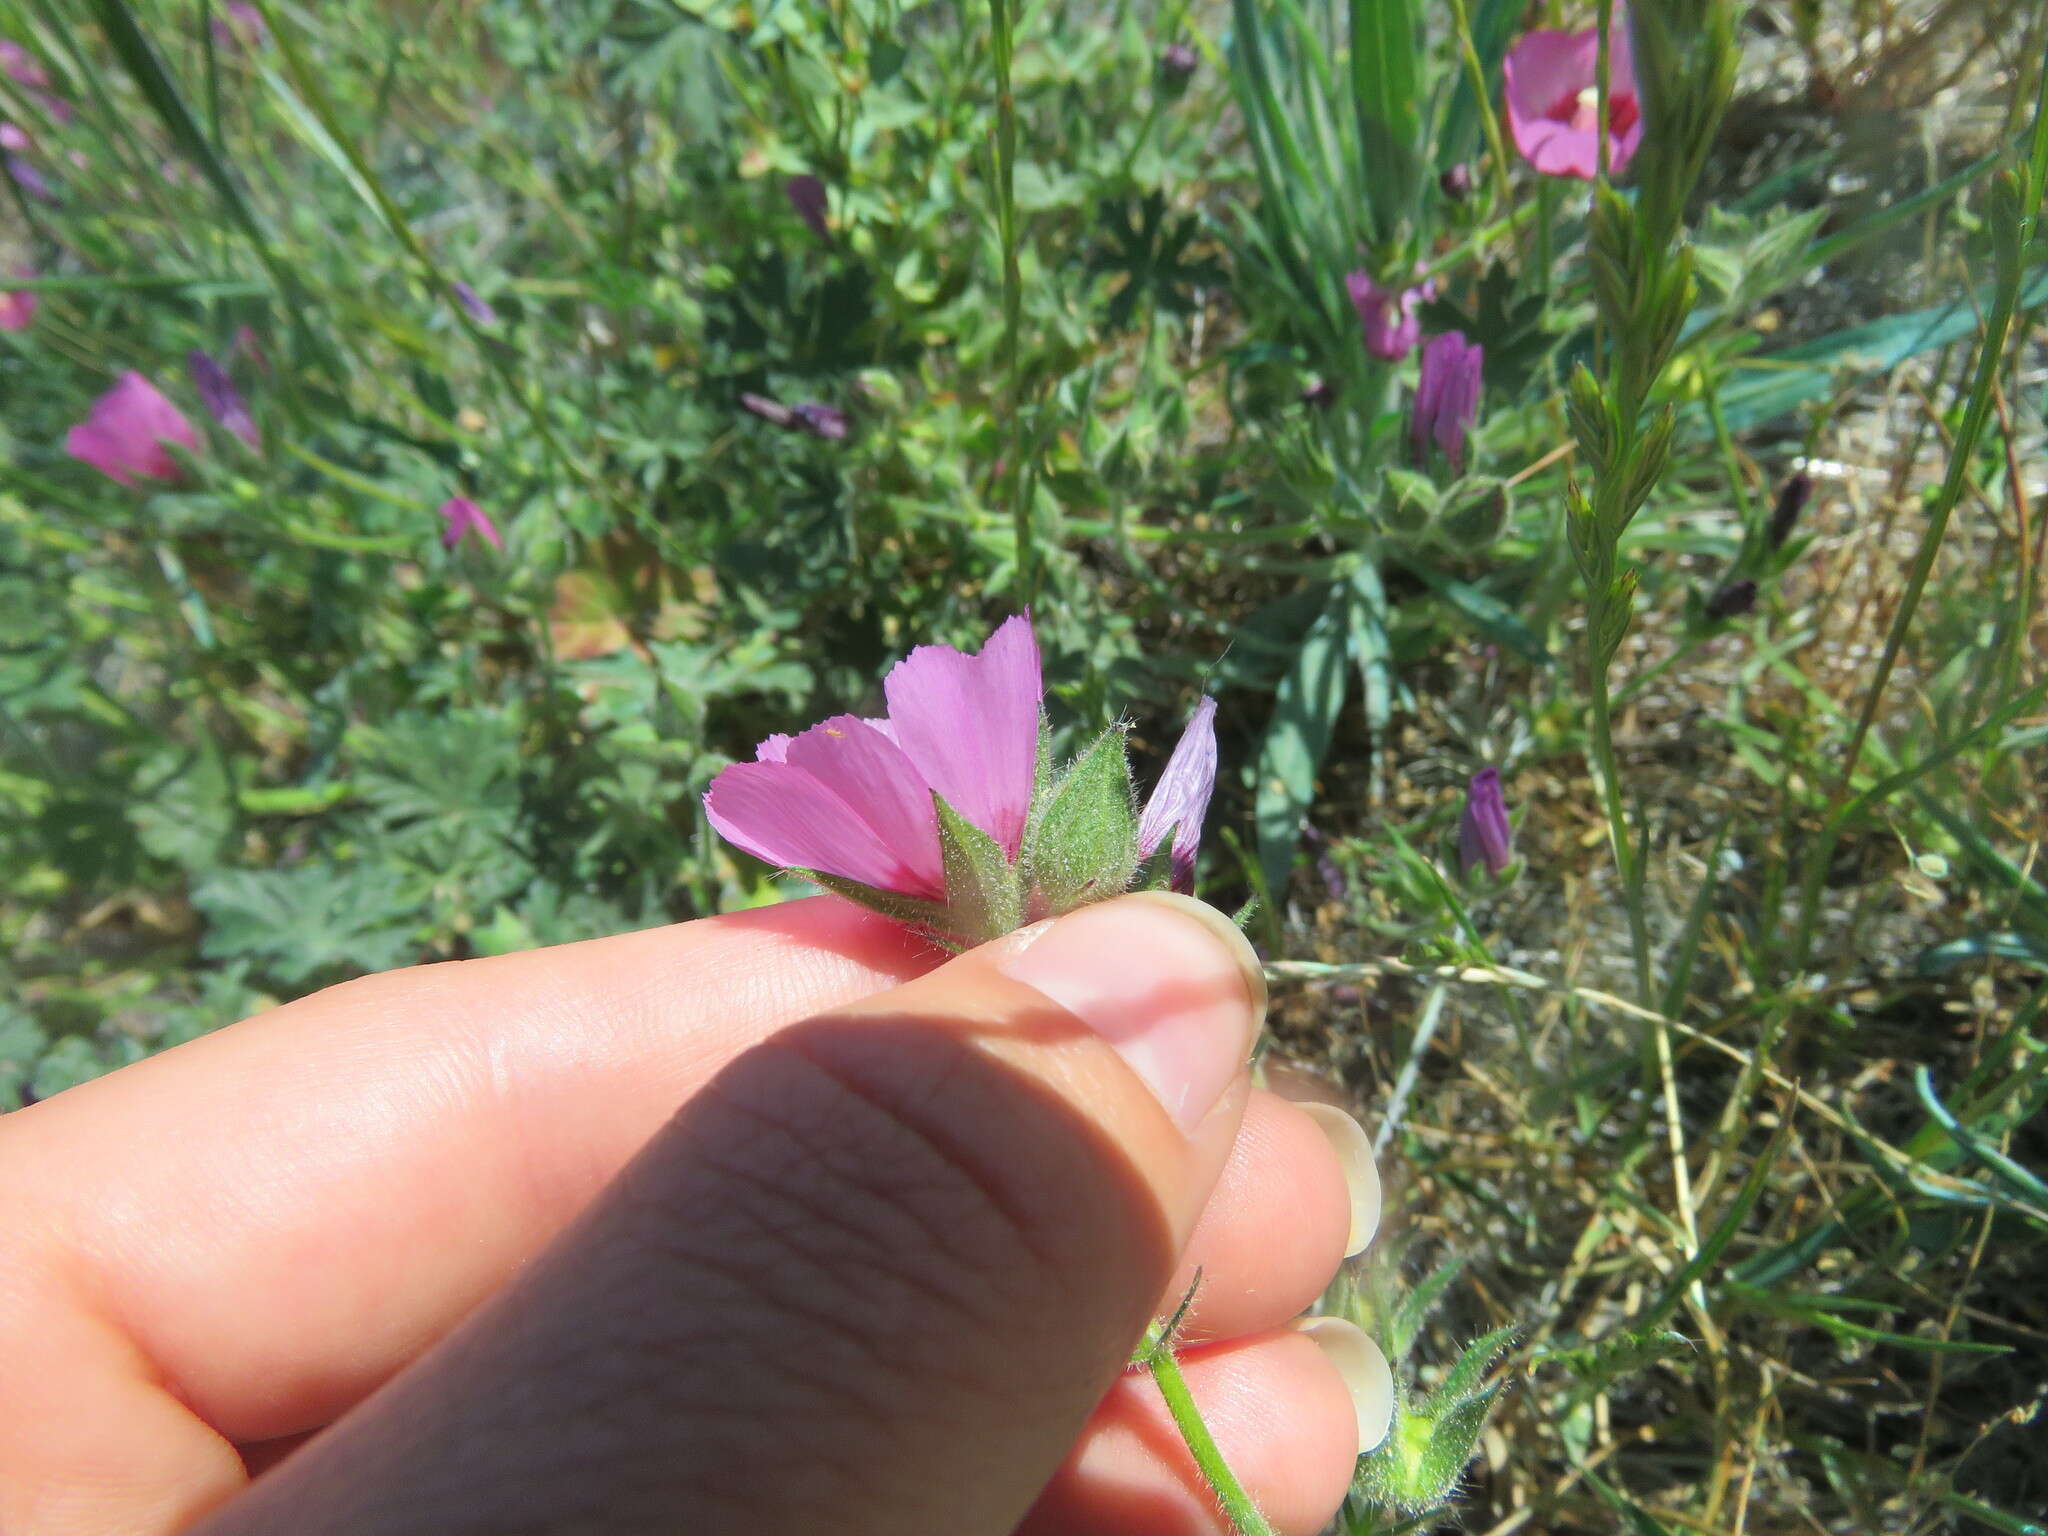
1082	843
984	891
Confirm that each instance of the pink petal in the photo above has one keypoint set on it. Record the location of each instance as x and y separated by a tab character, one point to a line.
877	778
1545	66
970	724
124	434
789	818
774	750
1181	799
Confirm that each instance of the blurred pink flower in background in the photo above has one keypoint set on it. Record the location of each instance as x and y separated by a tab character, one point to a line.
464	517
1551	86
1391	325
18	309
125	434
239	25
221	399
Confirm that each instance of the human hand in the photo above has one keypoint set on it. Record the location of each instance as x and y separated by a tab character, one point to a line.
438	1249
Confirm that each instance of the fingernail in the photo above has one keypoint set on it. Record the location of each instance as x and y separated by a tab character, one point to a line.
1361	1175
1168	981
1364	1369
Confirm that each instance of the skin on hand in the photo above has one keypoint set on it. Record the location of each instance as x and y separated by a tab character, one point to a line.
237	1243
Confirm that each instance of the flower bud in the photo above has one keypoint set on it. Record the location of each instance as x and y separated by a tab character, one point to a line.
1177	65
1732	601
1408	501
1475	512
1484	835
1792	498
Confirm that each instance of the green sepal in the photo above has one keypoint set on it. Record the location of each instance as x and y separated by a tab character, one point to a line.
1476	512
984	896
1407	500
929	917
1082	841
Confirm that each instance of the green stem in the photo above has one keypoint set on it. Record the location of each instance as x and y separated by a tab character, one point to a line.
1236	1504
1015	490
1617	816
1960	455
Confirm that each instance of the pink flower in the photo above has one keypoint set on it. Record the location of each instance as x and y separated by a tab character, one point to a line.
853	797
14	141
465	516
1391	325
125	434
1552	99
1181	798
18	309
20	67
1446	396
239	24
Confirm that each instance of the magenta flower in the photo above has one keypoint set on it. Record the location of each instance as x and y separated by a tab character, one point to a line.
465	517
479	311
853	797
20	67
1553	99
1391	325
239	25
1181	798
1446	396
218	394
125	435
18	309
819	420
806	195
1484	836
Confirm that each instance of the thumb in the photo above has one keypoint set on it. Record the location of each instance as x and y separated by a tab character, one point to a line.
872	1278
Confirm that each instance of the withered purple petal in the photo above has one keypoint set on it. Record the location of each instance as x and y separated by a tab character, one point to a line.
1181	799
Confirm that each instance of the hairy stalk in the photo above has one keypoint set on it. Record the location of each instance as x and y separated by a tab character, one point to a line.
1231	1498
1015	490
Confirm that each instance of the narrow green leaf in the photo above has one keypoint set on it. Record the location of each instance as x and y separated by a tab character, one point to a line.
1305	709
1386	94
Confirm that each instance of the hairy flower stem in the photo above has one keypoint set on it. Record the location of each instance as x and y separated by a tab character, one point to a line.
1231	1498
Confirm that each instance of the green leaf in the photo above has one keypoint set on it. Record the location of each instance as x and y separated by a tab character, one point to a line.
1304	718
984	896
22	1043
1386	96
1406	1324
1082	847
1453	1437
1472	1366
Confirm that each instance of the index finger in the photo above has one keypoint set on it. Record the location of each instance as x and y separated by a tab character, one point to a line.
278	1216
